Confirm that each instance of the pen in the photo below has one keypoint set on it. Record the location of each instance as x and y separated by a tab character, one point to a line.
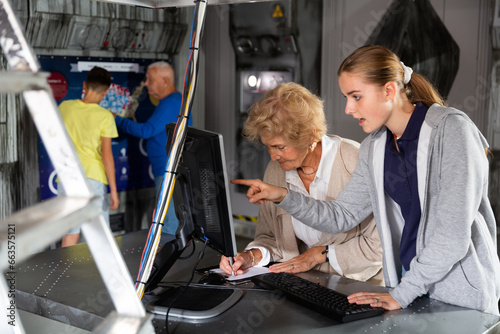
231	264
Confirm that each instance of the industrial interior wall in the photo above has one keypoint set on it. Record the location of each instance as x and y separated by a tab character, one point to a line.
347	25
76	28
221	98
18	155
18	145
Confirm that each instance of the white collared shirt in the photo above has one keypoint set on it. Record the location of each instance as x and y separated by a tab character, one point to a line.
317	189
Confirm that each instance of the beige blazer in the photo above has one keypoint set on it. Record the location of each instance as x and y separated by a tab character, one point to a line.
359	251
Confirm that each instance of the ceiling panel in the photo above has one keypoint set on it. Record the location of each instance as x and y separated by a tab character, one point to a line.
174	3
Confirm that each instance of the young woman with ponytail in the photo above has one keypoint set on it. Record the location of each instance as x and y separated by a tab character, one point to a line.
424	173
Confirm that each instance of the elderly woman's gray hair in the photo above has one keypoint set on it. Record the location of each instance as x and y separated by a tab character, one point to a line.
289	110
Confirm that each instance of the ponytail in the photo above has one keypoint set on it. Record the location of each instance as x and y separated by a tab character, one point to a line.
421	90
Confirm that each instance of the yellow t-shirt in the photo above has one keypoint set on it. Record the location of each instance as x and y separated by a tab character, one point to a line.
86	124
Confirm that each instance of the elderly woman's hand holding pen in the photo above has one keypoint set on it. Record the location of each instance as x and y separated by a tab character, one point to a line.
241	262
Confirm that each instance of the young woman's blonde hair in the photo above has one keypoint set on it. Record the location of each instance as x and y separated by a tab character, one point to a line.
289	110
379	65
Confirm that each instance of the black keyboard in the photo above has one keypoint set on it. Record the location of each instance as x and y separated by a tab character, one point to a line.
314	296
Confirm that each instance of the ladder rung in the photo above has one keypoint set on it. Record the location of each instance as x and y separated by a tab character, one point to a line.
32	229
18	82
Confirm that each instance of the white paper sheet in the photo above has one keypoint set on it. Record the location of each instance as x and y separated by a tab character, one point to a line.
252	271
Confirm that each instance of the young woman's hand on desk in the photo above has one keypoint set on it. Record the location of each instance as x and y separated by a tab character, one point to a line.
261	192
304	262
375	299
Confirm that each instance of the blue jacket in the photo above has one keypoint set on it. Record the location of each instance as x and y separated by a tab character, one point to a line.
154	130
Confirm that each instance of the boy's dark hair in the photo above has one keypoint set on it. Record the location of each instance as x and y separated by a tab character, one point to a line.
98	79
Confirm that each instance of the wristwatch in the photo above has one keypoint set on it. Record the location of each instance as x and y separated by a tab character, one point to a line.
326	253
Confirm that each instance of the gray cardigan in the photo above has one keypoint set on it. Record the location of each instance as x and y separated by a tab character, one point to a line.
456	259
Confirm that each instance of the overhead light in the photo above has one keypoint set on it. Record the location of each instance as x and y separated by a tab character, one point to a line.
252	81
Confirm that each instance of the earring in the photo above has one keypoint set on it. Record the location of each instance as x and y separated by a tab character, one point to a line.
310	146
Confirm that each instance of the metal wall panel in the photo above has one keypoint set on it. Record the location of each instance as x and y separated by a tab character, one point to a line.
8	128
18	157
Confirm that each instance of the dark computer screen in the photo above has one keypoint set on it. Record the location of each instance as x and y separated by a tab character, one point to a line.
201	192
201	200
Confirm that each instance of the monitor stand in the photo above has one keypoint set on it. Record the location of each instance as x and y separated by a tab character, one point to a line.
197	302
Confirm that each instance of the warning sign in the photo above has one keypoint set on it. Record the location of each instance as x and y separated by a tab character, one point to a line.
278	12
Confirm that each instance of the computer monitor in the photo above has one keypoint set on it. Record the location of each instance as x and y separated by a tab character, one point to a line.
201	192
201	200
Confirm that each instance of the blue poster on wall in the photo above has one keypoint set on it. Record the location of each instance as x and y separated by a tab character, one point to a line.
126	96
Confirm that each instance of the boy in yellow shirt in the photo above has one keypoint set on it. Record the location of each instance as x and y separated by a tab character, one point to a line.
91	128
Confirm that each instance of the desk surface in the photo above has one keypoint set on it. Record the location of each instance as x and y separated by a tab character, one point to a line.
64	285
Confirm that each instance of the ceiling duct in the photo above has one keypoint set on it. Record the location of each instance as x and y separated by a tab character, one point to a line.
81	27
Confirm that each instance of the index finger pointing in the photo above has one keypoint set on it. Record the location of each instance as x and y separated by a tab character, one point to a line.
244	182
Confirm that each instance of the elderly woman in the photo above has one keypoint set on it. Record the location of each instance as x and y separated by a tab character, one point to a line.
290	121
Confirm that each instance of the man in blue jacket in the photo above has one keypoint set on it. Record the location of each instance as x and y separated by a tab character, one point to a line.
160	84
